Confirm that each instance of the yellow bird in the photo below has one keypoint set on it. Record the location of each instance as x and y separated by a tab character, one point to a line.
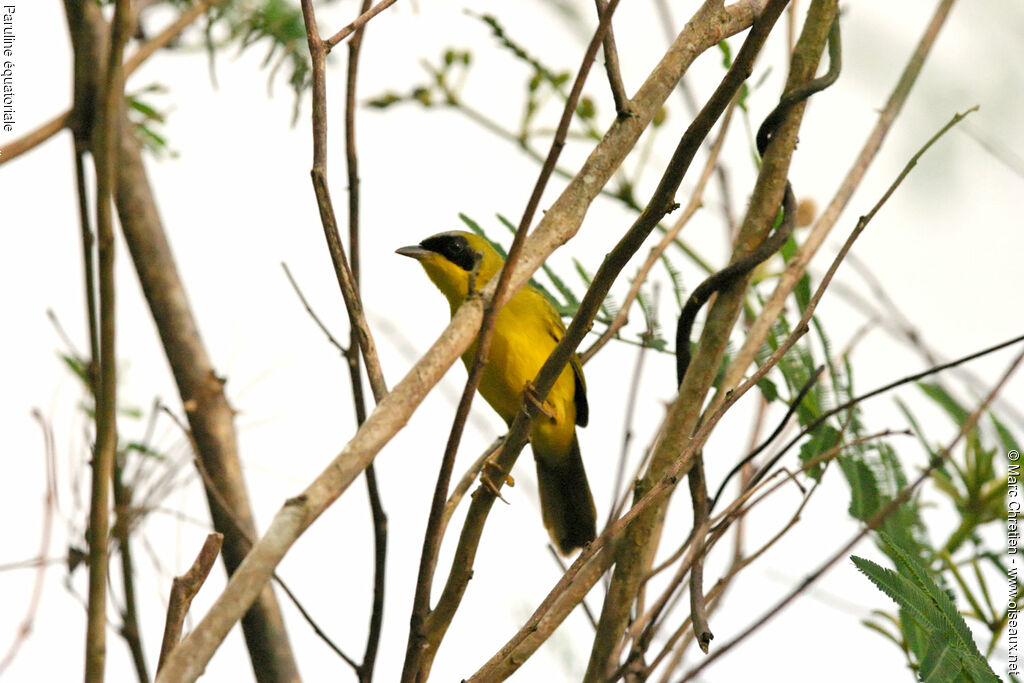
525	333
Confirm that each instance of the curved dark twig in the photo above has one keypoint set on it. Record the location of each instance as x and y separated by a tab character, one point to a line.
808	385
776	238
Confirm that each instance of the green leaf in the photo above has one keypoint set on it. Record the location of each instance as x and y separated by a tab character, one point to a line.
677	279
902	591
952	619
945	648
768	389
916	428
864	496
825	438
726	51
146	110
130	411
144	450
941	662
1006	438
77	367
571	302
938	394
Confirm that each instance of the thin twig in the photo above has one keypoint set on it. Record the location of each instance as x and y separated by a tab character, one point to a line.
312	314
106	134
701	509
359	23
346	273
875	392
221	508
630	411
122	532
315	626
753	453
611	65
49	505
183	589
696	201
34	137
716	592
318	173
378	517
651	622
89	268
562	568
902	328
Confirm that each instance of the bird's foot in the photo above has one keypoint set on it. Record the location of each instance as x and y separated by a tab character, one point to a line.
543	407
491	471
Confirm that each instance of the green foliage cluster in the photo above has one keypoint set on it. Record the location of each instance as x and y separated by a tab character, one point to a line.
941	642
275	24
969	485
144	474
147	119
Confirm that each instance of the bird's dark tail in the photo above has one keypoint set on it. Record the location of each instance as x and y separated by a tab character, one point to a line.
565	500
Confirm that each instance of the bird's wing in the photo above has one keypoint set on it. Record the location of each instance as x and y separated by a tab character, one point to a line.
556	328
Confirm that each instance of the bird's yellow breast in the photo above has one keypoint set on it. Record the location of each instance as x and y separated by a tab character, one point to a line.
521	342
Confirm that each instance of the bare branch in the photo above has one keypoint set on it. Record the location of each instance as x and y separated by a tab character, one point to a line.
611	65
49	505
377	514
122	532
183	589
34	137
309	309
342	271
701	508
106	133
359	23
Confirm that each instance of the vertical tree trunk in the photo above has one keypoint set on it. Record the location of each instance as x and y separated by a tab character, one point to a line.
202	393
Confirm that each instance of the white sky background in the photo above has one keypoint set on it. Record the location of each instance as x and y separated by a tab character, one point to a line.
237	201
